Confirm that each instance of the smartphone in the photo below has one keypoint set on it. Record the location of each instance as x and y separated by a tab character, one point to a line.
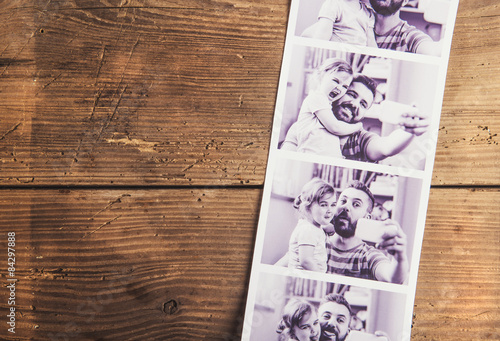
392	112
373	230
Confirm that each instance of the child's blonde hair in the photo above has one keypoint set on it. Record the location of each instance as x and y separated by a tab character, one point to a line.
293	312
330	64
312	192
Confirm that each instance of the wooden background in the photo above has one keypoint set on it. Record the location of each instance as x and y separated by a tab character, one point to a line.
133	144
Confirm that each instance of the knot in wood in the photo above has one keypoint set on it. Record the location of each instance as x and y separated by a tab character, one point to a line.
170	307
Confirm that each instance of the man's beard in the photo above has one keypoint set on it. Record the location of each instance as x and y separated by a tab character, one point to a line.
339	111
333	331
386	10
343	225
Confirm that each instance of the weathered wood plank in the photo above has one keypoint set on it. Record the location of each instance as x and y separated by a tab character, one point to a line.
109	264
17	65
130	264
168	95
458	286
113	92
470	123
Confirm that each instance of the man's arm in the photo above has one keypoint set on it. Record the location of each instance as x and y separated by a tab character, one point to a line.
380	148
394	242
431	48
420	42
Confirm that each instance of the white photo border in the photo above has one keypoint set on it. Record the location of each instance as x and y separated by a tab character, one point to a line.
258	269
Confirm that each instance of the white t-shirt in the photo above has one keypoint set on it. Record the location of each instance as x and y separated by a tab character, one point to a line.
306	233
308	135
350	25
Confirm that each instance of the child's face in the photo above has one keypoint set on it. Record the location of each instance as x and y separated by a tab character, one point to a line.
334	84
308	328
322	211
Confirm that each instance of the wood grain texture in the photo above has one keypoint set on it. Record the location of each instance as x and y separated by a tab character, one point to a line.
458	288
182	93
143	265
468	149
174	264
154	95
17	65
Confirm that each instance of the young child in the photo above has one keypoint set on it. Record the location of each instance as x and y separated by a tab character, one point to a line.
299	322
307	245
331	81
345	21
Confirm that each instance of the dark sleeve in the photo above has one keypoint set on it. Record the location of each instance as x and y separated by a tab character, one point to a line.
356	145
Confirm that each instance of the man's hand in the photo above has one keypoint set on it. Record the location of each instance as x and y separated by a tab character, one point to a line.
414	123
395	240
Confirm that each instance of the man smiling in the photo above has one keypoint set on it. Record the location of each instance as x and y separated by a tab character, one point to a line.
334	316
368	146
362	145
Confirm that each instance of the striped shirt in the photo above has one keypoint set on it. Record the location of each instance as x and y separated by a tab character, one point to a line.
402	37
354	147
360	261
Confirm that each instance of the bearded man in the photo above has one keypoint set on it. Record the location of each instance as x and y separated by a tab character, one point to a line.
334	316
348	255
378	23
395	34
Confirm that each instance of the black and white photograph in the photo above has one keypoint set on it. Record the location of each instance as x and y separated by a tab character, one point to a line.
414	26
341	221
350	166
359	107
301	309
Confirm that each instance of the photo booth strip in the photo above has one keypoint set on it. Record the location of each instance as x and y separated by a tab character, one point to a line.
358	102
